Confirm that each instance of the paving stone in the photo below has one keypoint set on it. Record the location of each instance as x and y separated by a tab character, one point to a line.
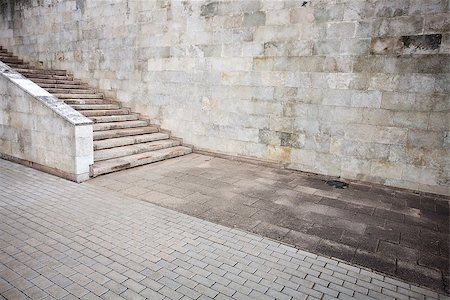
139	244
375	261
398	252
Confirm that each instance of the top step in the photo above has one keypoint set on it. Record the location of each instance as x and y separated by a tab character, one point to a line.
43	72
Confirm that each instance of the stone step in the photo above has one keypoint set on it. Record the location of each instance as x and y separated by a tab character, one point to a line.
79	96
115	133
106	112
118	118
111	165
69	91
7	54
56	81
119	125
104	154
49	76
63	86
43	72
129	140
17	66
94	106
12	60
89	101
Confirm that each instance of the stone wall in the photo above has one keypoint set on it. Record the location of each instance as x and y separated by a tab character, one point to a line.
38	130
351	88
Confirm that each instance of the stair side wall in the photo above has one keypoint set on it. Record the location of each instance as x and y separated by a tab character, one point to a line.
40	131
356	89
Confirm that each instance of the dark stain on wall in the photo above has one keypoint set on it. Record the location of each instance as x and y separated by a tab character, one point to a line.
422	42
210	9
80	4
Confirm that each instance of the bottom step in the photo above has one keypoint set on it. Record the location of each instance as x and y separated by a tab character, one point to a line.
117	152
112	165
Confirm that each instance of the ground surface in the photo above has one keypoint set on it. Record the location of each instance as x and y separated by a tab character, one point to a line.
63	240
391	231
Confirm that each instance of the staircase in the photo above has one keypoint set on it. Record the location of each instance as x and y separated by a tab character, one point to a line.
122	138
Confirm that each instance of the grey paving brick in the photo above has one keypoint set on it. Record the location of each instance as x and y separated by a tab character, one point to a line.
186	282
234	278
325	290
377	295
151	294
258	295
56	291
131	295
115	287
112	296
133	285
96	288
134	249
41	282
278	295
331	279
188	292
32	292
343	290
61	280
14	293
239	288
76	290
295	294
393	294
116	276
383	284
171	294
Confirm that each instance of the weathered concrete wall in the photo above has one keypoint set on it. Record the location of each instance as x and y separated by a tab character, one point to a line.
351	88
38	130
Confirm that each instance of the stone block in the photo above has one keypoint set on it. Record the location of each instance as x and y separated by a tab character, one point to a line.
254	19
417	120
390	9
328	164
370	99
302	15
445	44
378	117
386	45
278	17
276	33
272	78
442	84
359	10
354	168
297	79
263	63
359	150
419	174
378	134
428	7
425	139
437	23
327	47
336	97
398	26
385	169
355	46
341	30
302	156
439	121
324	12
421	83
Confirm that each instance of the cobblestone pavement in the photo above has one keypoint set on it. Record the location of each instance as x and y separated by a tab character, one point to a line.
63	240
388	230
